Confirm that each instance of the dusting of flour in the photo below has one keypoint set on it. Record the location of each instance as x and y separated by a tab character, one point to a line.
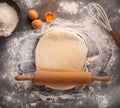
70	7
30	3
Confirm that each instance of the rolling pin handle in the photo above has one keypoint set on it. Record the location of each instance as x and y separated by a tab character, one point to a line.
102	78
23	77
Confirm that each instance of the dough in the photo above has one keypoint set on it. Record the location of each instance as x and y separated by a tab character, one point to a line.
61	50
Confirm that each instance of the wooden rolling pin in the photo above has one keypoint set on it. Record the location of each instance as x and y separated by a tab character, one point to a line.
71	78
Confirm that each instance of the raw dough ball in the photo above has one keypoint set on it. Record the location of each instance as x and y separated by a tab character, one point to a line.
61	50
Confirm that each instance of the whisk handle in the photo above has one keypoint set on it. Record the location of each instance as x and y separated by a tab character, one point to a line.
115	36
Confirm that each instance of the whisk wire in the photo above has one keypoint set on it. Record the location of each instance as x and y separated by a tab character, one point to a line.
99	15
101	18
104	16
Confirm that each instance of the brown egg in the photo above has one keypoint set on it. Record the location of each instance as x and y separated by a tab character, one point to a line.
33	14
37	23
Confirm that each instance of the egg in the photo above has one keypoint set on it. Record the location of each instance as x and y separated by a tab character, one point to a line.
33	14
37	23
49	16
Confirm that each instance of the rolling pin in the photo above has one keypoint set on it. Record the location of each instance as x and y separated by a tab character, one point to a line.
72	78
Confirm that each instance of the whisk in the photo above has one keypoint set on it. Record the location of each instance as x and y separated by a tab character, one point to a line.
98	14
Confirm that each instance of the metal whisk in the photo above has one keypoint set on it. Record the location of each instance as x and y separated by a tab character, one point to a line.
98	14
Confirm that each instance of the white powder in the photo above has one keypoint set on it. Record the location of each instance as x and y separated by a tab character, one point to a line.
70	7
8	98
53	97
30	3
103	100
8	19
118	10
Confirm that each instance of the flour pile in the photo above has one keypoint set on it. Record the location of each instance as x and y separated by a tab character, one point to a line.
8	19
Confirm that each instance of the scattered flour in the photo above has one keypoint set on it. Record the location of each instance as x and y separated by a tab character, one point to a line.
70	7
103	100
9	96
55	99
30	3
118	10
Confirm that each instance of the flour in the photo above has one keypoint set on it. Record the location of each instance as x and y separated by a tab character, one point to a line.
118	10
8	19
8	98
54	97
30	3
103	100
69	7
